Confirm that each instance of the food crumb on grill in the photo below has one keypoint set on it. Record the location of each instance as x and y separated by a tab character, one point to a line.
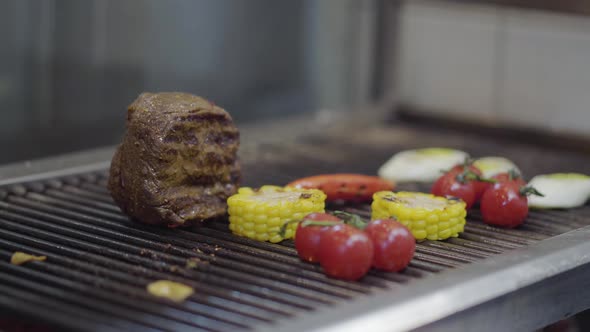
171	290
20	258
192	263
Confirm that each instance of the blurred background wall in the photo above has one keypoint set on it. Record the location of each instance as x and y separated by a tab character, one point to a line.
528	67
69	68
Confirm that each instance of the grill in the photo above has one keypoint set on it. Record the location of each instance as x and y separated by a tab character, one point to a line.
99	262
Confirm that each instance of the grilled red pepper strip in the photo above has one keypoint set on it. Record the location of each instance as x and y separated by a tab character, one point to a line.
345	187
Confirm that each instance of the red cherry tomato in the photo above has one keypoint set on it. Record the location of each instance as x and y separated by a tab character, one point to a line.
393	244
450	184
307	238
345	252
507	177
346	187
479	186
503	205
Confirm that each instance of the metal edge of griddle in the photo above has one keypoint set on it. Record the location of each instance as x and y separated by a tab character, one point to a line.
55	174
57	166
521	275
252	136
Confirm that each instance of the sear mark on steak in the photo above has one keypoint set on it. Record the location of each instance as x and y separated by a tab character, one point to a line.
177	163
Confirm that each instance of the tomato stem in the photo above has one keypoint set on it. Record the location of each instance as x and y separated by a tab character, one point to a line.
513	174
487	180
468	175
528	190
308	222
351	219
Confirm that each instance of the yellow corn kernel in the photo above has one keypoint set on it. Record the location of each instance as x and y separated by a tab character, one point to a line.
260	213
427	216
19	258
171	290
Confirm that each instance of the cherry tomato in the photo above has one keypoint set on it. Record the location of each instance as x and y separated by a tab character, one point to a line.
393	244
307	238
506	177
479	186
345	252
346	187
503	205
450	184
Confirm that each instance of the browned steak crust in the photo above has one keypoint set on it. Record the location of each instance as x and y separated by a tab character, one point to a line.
178	161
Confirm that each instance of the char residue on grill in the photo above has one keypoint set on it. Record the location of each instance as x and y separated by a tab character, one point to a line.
99	262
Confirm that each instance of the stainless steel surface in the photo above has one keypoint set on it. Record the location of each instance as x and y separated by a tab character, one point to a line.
576	7
488	279
71	163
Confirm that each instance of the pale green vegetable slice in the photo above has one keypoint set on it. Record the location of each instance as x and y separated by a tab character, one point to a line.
490	166
560	190
421	165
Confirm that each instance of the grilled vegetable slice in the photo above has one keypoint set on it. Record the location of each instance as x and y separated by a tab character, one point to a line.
259	213
560	190
346	187
422	165
20	258
427	216
171	290
490	166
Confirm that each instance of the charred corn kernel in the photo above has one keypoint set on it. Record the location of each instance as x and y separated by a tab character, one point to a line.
427	216
259	214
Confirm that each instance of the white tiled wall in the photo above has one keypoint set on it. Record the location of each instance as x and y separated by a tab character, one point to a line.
527	67
547	70
447	57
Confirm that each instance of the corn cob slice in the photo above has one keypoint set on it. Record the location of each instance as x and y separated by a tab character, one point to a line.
259	214
427	216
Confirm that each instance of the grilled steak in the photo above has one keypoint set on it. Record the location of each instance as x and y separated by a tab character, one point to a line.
178	161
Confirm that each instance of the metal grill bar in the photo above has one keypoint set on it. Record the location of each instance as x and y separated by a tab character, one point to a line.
63	273
50	310
205	250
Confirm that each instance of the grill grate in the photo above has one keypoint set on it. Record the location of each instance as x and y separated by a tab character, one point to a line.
99	261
